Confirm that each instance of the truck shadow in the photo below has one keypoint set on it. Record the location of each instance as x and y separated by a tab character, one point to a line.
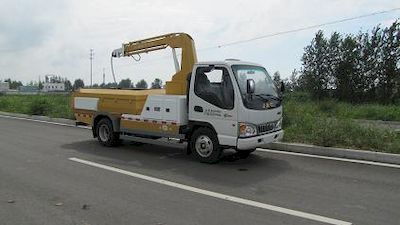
162	160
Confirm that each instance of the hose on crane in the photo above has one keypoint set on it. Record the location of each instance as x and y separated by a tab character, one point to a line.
112	70
112	65
138	59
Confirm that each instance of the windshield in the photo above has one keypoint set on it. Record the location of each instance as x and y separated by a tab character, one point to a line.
264	83
265	89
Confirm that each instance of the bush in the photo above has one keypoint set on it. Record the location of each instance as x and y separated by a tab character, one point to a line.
47	105
39	107
299	104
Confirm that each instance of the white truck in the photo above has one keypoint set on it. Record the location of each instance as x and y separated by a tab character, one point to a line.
213	106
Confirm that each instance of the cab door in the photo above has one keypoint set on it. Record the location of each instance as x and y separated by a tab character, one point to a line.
212	99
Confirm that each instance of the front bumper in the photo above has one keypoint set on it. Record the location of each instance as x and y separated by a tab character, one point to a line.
257	141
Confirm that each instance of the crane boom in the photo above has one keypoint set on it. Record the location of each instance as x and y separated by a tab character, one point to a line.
178	83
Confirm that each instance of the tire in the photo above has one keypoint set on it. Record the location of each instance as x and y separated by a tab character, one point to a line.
105	133
244	154
204	145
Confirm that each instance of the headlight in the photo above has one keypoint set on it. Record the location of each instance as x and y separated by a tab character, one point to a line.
247	130
278	125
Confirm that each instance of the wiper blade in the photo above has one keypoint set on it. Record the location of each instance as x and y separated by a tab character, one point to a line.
268	97
262	97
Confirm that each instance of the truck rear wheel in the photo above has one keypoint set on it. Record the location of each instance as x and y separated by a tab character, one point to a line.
205	146
105	133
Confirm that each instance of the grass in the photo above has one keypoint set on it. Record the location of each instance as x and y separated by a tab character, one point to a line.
330	123
325	123
301	103
46	105
333	132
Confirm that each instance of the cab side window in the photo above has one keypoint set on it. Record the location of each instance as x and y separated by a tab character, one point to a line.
214	85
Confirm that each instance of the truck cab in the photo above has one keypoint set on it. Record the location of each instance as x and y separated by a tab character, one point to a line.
237	102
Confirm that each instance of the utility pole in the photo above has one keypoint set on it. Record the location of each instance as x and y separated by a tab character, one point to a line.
91	67
104	77
39	89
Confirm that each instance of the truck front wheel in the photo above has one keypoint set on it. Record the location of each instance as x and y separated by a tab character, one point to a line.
205	146
106	134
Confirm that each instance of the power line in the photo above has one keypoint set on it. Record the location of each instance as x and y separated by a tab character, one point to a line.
282	33
302	29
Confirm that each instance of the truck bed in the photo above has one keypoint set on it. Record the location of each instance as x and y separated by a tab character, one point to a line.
115	101
87	91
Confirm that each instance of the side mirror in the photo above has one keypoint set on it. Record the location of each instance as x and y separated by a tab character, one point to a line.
251	86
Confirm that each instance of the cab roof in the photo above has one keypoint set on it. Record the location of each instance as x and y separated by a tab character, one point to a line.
228	62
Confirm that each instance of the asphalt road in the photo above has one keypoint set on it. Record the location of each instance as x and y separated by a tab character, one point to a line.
39	184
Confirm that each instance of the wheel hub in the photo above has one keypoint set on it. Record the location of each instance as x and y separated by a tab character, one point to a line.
104	133
204	146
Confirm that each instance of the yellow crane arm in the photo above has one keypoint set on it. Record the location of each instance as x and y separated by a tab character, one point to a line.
178	84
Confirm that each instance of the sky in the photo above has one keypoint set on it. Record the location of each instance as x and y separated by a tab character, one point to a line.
55	36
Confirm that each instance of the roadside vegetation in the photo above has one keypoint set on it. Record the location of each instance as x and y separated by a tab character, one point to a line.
301	103
331	123
345	77
45	105
360	68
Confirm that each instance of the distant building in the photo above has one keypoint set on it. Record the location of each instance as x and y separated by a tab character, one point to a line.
28	88
53	87
4	86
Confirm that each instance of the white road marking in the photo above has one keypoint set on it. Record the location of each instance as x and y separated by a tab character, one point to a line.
258	149
47	122
217	195
330	158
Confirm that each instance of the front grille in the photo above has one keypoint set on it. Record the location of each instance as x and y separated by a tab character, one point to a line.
266	127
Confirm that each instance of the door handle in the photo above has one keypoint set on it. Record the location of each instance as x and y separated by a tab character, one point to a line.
198	108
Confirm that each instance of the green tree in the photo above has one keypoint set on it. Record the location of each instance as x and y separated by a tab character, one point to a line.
293	84
315	69
109	85
68	85
156	84
14	84
347	69
389	79
125	83
369	61
78	83
333	60
359	68
142	84
277	78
